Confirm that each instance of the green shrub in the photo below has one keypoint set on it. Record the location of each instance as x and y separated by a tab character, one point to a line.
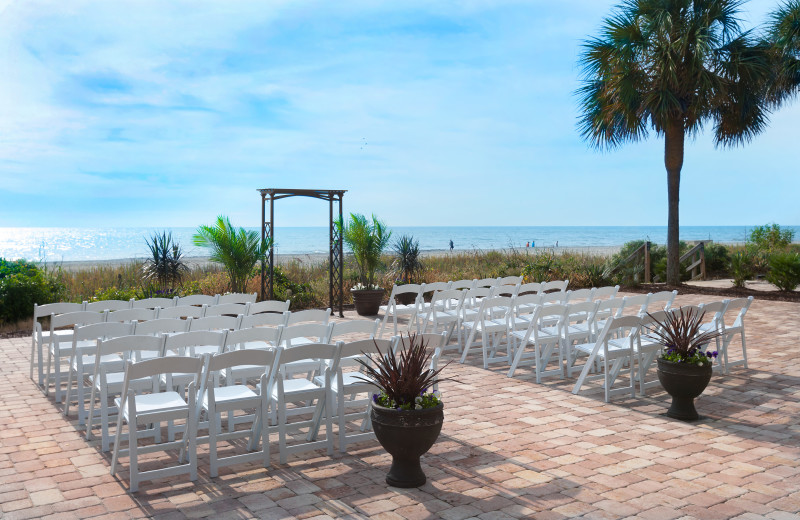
771	238
741	268
19	290
114	293
718	259
784	271
300	295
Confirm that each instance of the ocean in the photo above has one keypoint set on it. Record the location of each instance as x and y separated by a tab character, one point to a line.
81	244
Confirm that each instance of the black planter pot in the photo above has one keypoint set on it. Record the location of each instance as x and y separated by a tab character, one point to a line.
684	382
367	301
406	435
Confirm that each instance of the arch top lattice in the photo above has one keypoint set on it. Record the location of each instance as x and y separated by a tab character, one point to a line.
336	255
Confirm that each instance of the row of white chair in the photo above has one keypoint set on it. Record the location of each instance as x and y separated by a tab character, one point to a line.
151	391
416	309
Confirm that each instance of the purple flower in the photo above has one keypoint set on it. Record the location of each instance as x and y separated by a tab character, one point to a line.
375	397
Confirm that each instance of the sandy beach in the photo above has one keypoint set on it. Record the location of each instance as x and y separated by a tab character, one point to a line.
317	258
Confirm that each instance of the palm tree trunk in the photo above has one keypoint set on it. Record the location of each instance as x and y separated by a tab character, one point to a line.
673	160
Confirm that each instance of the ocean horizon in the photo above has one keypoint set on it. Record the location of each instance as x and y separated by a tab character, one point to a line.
57	244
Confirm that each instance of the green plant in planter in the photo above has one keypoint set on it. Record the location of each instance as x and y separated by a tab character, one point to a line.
165	268
366	240
407	260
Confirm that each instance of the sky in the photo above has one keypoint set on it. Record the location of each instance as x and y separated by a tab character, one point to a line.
151	113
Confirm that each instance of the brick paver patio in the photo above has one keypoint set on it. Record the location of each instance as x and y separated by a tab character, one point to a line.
510	448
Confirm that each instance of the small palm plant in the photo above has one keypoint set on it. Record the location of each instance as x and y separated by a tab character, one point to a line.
407	259
238	250
683	338
404	381
366	240
165	268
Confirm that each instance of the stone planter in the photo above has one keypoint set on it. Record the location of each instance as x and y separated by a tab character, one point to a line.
684	382
367	301
406	435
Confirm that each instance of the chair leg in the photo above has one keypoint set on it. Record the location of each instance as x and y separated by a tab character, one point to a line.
104	421
133	442
282	430
328	404
744	348
191	432
212	441
117	439
261	420
342	423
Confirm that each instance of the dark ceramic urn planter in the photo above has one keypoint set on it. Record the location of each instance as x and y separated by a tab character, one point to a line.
367	301
684	382
406	435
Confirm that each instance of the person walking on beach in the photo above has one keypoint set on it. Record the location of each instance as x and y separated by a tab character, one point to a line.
451	245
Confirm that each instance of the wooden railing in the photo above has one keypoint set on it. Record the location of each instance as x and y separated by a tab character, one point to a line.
697	267
644	252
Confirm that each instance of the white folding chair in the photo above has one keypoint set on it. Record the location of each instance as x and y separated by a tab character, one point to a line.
509	280
429	288
154	408
614	347
579	295
131	315
366	328
492	324
304	392
217	323
81	363
444	311
216	400
545	333
530	287
60	346
40	337
182	312
462	284
555	285
395	310
346	386
578	327
660	301
108	377
606	309
309	316
275	306
152	303
305	333
606	293
227	309
197	299
161	326
108	305
633	305
486	282
729	332
647	347
241	298
264	319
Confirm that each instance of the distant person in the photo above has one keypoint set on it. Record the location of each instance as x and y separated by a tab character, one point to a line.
528	244
451	245
556	243
533	244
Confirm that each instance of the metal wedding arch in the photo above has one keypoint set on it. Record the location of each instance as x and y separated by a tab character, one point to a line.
336	255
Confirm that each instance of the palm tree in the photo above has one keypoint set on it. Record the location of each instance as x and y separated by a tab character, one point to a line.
366	240
784	37
238	250
673	66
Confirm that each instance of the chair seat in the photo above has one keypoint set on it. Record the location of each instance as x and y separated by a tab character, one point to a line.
295	386
348	379
160	402
587	348
224	394
400	309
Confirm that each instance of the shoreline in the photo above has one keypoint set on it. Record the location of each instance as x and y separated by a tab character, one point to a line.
199	262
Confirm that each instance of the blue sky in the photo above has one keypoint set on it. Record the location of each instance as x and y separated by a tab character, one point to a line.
153	113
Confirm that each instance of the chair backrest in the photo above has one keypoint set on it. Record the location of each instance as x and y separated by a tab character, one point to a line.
473	297
128	315
432	341
318	331
652	321
506	290
430	288
509	280
309	315
555	285
581	312
463	284
214	323
608	308
580	295
548	313
494	307
532	287
129	346
620	328
633	305
96	331
449	299
264	319
606	293
555	297
740	307
40	311
266	358
361	327
406	289
161	326
196	299
353	350
714	311
255	338
70	319
108	305
311	352
486	282
241	298
152	303
188	342
661	300
525	303
268	306
226	309
182	311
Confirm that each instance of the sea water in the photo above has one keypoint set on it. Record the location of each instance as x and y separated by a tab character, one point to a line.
76	244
